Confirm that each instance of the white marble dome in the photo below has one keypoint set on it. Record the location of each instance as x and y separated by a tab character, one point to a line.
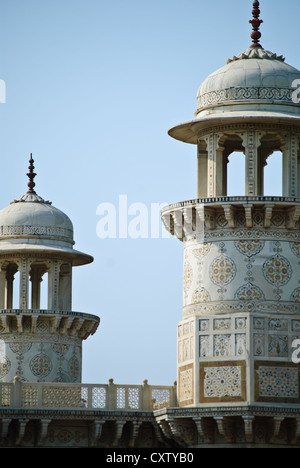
32	217
32	224
257	85
256	77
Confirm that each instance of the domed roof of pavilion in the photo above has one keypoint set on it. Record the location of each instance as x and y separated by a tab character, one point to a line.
31	223
255	77
31	215
256	84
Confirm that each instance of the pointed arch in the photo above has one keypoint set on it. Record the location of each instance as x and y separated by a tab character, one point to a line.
236	174
273	177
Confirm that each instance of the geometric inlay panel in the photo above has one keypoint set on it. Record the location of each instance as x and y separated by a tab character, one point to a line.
222	381
186	385
278	382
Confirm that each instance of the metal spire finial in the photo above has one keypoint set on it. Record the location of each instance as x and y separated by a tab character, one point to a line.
256	22
31	175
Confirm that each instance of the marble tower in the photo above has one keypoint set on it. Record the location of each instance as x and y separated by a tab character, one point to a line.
241	289
36	246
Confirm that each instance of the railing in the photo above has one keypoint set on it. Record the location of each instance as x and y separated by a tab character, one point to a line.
108	397
231	199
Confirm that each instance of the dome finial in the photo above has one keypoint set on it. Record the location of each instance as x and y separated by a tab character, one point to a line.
31	175
256	22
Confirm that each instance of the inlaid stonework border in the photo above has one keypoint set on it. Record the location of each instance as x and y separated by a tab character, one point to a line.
186	385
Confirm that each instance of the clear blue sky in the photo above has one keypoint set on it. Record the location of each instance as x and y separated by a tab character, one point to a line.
92	87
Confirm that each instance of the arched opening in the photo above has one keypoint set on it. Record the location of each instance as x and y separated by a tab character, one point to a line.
270	162
273	175
231	165
259	164
13	290
38	296
236	174
44	291
45	286
10	286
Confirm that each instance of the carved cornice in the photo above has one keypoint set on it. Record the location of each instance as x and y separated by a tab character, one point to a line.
44	256
229	410
240	127
67	323
194	217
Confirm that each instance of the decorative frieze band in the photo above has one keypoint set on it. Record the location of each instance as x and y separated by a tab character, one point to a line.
28	230
245	94
240	128
239	306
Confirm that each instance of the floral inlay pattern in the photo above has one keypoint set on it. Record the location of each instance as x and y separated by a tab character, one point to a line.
222	271
277	270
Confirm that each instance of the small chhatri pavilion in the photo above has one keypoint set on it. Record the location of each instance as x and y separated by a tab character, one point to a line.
36	245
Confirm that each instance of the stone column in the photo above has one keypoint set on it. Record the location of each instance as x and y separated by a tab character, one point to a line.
8	304
290	166
53	285
221	173
210	165
2	287
215	166
24	283
201	170
36	279
65	287
251	143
